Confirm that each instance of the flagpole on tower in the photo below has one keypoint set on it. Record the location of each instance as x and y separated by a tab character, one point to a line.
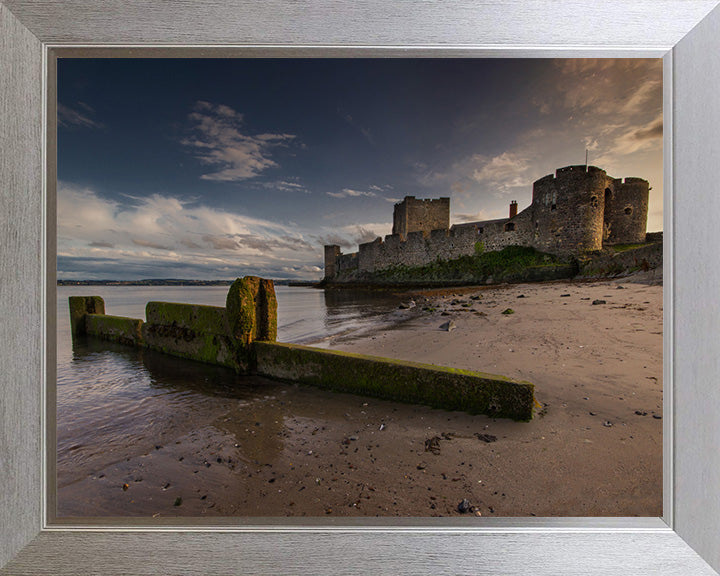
586	159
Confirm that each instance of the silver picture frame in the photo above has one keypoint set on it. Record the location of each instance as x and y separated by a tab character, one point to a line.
686	33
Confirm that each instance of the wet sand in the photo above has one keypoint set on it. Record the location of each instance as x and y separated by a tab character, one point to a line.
594	447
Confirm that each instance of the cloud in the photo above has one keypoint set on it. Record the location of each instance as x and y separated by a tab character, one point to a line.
507	170
286	186
372	191
149	244
632	139
350	193
160	236
618	87
220	242
221	140
349	236
653	131
71	118
473	217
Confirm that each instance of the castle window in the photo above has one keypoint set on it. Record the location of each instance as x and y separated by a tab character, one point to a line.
510	226
553	207
628	210
594	202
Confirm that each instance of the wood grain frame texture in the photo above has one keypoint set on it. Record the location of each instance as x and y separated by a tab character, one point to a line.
686	32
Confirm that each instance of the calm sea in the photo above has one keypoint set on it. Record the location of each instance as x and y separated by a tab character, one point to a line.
110	396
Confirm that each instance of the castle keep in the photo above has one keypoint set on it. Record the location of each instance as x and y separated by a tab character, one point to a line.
577	209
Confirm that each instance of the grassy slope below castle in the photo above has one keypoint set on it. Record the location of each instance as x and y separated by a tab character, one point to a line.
519	264
512	264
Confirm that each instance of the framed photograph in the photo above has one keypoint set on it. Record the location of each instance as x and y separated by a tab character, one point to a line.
36	540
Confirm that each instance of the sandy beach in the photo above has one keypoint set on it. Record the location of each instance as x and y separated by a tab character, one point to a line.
594	353
594	448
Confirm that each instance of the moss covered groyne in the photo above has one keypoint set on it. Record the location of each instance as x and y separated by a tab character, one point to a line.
242	336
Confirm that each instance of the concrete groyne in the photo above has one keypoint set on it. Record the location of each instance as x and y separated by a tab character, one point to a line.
243	335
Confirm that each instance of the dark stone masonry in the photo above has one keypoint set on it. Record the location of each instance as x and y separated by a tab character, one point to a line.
577	209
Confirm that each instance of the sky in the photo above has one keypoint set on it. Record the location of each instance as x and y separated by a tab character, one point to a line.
218	168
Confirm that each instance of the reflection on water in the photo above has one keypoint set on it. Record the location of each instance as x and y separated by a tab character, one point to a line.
116	402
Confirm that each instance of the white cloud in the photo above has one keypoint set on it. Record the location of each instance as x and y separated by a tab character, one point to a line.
507	170
350	193
160	233
221	140
68	117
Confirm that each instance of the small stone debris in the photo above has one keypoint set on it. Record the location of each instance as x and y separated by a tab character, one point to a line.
486	437
433	445
474	297
125	487
464	506
641	412
508	311
166	486
593	413
522	296
421	466
620	287
178	501
407	305
382	427
564	295
657	416
607	424
596	302
353	438
444	313
448	326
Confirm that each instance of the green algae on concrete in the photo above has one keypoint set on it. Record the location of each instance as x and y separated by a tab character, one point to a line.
251	308
436	386
192	331
115	328
196	317
242	337
79	307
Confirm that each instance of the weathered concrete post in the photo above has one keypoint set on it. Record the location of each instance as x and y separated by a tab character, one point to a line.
79	307
251	308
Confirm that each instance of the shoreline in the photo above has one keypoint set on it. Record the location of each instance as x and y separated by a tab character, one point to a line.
298	451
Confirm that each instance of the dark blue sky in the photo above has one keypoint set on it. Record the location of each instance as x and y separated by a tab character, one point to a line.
217	168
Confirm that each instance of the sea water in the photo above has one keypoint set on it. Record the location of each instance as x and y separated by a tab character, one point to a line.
111	396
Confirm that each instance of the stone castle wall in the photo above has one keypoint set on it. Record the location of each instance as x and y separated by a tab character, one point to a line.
575	210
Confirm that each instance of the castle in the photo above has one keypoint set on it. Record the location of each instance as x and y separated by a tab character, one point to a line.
577	209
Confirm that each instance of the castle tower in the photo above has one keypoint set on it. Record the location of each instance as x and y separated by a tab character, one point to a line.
413	215
626	210
332	252
568	210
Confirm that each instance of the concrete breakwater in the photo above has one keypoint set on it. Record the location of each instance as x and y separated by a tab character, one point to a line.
243	335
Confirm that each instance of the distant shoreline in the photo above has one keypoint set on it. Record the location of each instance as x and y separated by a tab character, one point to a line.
173	282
